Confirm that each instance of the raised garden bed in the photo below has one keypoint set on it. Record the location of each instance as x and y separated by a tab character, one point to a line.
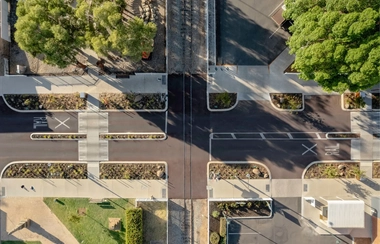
57	136
132	171
132	136
46	171
353	100
223	100
121	101
334	170
342	135
67	101
220	171
239	209
289	101
376	170
375	100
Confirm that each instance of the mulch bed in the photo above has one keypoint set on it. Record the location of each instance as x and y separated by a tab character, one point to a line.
376	170
287	100
246	209
332	170
222	100
345	135
132	171
132	101
132	136
375	100
67	101
46	170
48	136
353	100
242	171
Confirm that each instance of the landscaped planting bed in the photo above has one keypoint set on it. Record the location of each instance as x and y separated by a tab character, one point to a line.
240	209
343	135
223	100
376	170
353	100
220	171
333	170
57	136
67	101
291	101
375	100
46	171
132	171
131	136
120	101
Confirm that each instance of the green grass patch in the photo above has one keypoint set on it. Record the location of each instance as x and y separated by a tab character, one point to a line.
92	226
20	242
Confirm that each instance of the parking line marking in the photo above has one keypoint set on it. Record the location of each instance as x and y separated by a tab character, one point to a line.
262	136
62	123
233	135
309	149
319	137
290	135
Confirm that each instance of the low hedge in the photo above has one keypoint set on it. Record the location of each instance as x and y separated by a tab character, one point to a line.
223	227
134	226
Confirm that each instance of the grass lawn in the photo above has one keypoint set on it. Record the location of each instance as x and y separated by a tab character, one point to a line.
20	242
91	227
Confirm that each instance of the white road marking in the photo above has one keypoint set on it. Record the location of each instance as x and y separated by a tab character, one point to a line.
233	135
39	122
319	137
62	123
309	149
262	136
290	135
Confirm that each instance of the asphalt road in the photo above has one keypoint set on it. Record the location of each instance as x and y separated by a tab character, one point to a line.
286	226
136	122
14	122
286	159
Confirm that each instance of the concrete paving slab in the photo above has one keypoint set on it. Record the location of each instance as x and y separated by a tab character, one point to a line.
286	187
240	188
45	226
85	188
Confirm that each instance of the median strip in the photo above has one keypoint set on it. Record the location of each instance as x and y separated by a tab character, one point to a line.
133	136
58	136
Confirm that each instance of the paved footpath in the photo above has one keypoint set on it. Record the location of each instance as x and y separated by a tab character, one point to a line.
138	83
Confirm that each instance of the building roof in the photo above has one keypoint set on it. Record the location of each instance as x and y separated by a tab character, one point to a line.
345	214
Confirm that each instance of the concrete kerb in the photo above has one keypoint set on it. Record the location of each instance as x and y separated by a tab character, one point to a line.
41	161
221	110
326	162
356	109
289	110
236	162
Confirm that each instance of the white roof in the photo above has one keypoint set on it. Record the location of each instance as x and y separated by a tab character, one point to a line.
345	214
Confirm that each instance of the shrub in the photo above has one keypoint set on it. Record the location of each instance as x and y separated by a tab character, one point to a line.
224	99
223	227
215	214
214	238
134	226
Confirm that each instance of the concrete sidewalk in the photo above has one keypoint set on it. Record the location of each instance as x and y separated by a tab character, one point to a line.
138	83
256	82
96	188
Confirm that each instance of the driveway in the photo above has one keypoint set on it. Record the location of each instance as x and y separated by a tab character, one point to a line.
286	227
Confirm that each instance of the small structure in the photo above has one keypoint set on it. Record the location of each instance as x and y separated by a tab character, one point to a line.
344	213
114	224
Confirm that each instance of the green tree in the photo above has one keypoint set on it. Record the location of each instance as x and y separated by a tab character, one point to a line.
336	43
45	28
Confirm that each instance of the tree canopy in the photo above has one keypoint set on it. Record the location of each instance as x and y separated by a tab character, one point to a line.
57	30
336	42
